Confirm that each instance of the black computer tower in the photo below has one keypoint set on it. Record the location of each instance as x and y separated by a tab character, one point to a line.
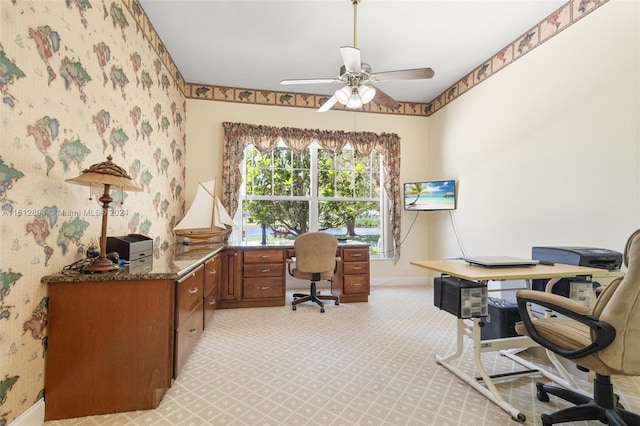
462	298
501	320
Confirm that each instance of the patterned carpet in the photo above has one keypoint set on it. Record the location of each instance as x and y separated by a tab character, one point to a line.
356	364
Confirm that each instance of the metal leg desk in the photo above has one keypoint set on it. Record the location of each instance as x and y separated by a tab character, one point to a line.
510	346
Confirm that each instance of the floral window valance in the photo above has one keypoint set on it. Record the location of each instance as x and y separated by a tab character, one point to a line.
266	138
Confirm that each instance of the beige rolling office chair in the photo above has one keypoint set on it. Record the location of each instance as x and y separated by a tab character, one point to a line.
605	341
315	260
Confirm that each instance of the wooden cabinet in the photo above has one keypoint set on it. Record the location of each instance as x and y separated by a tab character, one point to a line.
231	278
189	316
352	284
116	341
254	277
264	275
110	346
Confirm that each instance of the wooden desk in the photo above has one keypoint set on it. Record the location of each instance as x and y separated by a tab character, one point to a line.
507	346
116	340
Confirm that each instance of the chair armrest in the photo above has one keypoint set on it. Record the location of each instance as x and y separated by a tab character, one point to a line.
542	297
604	332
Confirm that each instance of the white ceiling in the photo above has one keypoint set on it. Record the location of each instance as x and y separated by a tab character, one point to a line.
254	44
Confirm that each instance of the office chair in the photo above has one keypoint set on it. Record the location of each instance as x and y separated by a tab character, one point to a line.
315	260
603	340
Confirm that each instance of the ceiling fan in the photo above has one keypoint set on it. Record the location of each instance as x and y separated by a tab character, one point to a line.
357	78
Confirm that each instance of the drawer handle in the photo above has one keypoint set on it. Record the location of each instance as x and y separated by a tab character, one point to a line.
193	290
356	284
264	270
212	302
264	256
192	332
213	272
265	287
357	268
356	254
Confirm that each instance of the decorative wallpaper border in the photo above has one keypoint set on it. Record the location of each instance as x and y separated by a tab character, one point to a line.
148	32
564	17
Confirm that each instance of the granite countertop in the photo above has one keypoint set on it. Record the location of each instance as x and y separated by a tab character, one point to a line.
171	264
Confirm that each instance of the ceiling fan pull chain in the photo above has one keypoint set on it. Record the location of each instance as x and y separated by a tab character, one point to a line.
355	22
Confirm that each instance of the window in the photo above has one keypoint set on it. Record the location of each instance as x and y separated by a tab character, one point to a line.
292	193
311	176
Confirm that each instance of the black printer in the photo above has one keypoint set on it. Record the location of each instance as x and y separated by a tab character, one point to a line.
580	256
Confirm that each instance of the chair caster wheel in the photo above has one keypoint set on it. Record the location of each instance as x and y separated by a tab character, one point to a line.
294	307
337	303
520	418
541	394
321	309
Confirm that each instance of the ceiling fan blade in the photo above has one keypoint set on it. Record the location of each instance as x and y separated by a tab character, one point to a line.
413	74
351	59
385	100
311	81
328	104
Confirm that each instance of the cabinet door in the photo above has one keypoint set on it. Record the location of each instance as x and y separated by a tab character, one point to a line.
211	286
231	275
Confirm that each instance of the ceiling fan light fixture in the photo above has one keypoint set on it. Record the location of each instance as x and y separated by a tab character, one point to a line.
367	93
354	100
343	95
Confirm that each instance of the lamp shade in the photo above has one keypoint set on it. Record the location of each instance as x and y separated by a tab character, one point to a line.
106	173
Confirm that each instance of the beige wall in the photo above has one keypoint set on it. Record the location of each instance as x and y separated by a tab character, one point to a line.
205	141
547	150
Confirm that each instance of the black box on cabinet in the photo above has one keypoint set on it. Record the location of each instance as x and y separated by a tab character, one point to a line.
501	320
131	247
462	298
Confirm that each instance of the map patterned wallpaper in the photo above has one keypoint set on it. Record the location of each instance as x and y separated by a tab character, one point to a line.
79	80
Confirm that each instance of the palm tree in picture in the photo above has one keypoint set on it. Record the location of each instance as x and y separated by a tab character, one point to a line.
416	189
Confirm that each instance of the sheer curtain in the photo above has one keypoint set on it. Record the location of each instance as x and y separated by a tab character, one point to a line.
266	138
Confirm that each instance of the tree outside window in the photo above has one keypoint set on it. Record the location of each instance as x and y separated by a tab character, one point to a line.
293	193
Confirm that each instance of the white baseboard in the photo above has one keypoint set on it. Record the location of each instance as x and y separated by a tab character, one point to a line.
399	281
34	416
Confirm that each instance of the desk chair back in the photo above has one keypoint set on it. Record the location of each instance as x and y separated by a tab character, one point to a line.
619	306
315	253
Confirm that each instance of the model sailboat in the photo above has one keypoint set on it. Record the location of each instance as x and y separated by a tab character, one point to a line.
206	218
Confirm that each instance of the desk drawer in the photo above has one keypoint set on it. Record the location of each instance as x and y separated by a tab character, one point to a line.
210	303
263	270
262	256
356	284
189	292
355	268
258	288
186	338
355	255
